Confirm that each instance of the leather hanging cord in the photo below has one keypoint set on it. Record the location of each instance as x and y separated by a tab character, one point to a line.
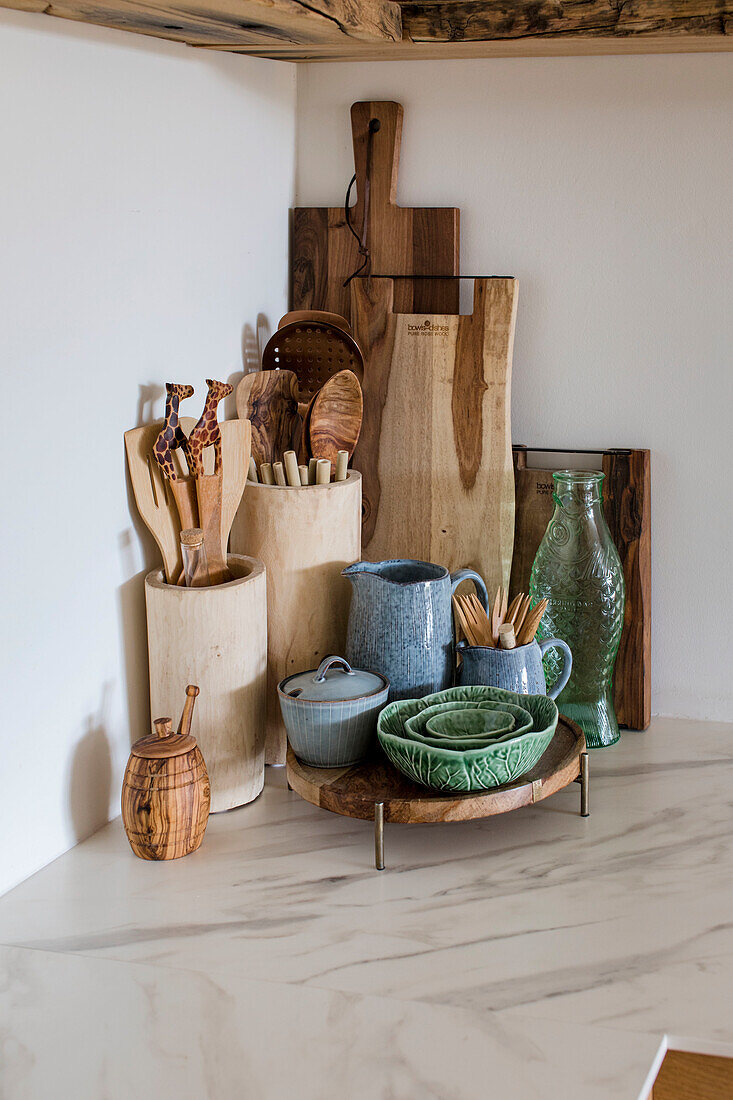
374	127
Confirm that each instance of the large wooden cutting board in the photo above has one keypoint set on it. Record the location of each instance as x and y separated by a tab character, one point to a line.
435	446
401	240
627	507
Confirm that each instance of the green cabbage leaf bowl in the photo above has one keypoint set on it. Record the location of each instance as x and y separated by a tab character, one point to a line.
479	769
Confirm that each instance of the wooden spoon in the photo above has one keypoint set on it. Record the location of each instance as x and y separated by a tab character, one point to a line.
269	400
335	419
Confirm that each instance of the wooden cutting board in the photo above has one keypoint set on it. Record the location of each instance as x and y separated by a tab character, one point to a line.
401	240
435	445
627	507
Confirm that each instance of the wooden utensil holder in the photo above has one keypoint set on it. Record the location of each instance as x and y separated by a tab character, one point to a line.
305	537
215	637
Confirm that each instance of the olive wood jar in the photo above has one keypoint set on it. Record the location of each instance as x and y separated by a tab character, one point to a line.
165	793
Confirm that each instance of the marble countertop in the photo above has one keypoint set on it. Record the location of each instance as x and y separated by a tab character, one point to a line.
536	954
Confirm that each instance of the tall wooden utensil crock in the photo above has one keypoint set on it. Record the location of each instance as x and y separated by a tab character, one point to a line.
165	793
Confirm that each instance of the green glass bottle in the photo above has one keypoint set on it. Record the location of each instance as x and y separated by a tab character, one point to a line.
578	570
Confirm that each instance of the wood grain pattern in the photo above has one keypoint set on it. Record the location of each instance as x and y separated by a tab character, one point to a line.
269	400
208	497
627	508
262	23
165	803
353	791
685	1076
435	449
215	637
402	240
476	20
335	419
532	46
305	537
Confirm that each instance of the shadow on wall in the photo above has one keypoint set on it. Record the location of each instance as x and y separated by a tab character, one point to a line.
253	343
90	782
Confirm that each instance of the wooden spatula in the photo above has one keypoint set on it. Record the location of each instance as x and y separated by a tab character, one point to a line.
269	400
172	438
154	500
153	493
206	433
335	419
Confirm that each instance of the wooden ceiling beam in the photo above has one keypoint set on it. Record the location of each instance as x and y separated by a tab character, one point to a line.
258	23
498	20
376	30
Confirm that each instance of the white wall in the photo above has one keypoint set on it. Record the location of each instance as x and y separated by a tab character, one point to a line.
606	186
143	228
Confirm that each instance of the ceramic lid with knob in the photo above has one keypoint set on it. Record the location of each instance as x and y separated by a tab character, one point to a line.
333	680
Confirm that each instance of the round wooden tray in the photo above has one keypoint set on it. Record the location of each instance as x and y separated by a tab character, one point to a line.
375	791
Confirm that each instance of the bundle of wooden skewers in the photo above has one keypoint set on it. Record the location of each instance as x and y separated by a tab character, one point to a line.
506	628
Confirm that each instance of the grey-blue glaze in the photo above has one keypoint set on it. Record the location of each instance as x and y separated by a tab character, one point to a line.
401	623
331	733
517	669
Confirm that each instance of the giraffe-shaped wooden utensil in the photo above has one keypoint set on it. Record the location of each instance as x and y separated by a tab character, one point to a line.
170	439
207	433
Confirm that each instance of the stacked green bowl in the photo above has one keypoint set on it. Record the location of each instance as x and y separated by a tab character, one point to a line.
467	738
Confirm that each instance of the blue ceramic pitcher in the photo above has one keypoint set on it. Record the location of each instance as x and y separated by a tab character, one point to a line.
517	669
401	623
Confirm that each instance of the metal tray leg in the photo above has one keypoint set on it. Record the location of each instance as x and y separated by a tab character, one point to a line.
584	780
379	835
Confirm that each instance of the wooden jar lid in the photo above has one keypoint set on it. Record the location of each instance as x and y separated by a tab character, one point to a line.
164	743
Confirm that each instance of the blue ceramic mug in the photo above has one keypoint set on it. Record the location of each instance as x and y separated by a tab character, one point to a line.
517	669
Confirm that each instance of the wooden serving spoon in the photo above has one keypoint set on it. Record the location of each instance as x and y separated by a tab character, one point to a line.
335	418
269	400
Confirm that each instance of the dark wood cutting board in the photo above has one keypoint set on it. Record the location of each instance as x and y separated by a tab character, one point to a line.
401	240
627	506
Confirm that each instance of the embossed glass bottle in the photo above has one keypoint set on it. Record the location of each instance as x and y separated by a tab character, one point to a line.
578	570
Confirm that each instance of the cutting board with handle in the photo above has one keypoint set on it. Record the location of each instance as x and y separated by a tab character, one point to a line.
435	445
152	491
627	507
401	240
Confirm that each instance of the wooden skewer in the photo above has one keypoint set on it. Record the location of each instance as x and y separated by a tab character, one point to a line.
521	615
513	608
506	636
531	623
463	621
266	475
503	609
480	619
495	618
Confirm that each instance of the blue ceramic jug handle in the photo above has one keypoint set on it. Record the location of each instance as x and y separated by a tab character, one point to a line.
329	662
470	575
567	664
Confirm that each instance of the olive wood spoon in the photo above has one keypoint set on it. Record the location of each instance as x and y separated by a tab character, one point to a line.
335	419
